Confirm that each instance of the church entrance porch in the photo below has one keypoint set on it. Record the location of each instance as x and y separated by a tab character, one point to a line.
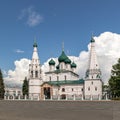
46	91
63	96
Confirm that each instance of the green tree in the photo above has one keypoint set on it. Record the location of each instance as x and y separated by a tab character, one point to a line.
2	88
25	87
114	81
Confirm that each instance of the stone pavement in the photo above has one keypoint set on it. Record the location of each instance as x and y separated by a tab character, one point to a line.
59	110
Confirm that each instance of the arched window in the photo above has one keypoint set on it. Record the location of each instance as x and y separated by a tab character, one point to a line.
95	88
72	89
65	77
88	88
81	89
92	82
57	78
63	89
36	74
50	78
31	73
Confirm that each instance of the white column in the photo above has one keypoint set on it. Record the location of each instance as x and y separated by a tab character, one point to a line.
58	97
91	97
44	97
38	97
74	97
4	97
25	97
8	97
18	97
66	97
99	97
82	97
106	97
31	97
13	97
51	97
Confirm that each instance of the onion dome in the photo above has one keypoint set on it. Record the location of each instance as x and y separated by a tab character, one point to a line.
92	40
57	67
67	61
73	65
51	62
62	57
35	44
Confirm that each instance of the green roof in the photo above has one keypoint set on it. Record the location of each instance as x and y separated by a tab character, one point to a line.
62	57
61	71
35	44
51	62
67	61
73	65
92	40
57	67
65	82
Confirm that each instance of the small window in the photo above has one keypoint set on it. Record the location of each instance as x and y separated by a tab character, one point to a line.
31	73
95	88
57	78
65	77
63	89
82	89
92	82
88	88
50	78
72	89
40	71
36	74
61	66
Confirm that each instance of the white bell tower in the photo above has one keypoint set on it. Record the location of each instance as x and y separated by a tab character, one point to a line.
35	75
93	82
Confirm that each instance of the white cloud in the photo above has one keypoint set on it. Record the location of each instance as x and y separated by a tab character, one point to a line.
17	75
19	51
32	17
108	52
107	49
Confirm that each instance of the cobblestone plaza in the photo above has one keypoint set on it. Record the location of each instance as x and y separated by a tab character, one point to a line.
59	110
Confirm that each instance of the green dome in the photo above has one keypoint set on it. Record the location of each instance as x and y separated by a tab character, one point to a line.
92	40
67	61
62	57
51	62
35	44
73	65
57	67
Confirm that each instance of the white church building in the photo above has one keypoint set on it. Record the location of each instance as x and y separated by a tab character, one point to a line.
61	81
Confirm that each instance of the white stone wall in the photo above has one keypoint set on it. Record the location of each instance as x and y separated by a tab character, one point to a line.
13	91
93	87
55	91
61	76
34	88
71	89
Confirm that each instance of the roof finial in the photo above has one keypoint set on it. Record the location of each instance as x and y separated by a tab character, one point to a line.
92	38
62	46
35	43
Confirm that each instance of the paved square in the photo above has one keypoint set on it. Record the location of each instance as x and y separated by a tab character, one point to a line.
59	110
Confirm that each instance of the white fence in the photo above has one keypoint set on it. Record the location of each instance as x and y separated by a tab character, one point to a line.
57	97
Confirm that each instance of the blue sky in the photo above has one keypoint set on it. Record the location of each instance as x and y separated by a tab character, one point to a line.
52	22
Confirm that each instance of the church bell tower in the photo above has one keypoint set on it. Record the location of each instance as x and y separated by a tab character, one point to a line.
35	75
93	82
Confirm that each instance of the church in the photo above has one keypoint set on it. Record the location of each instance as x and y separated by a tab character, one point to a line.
61	81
